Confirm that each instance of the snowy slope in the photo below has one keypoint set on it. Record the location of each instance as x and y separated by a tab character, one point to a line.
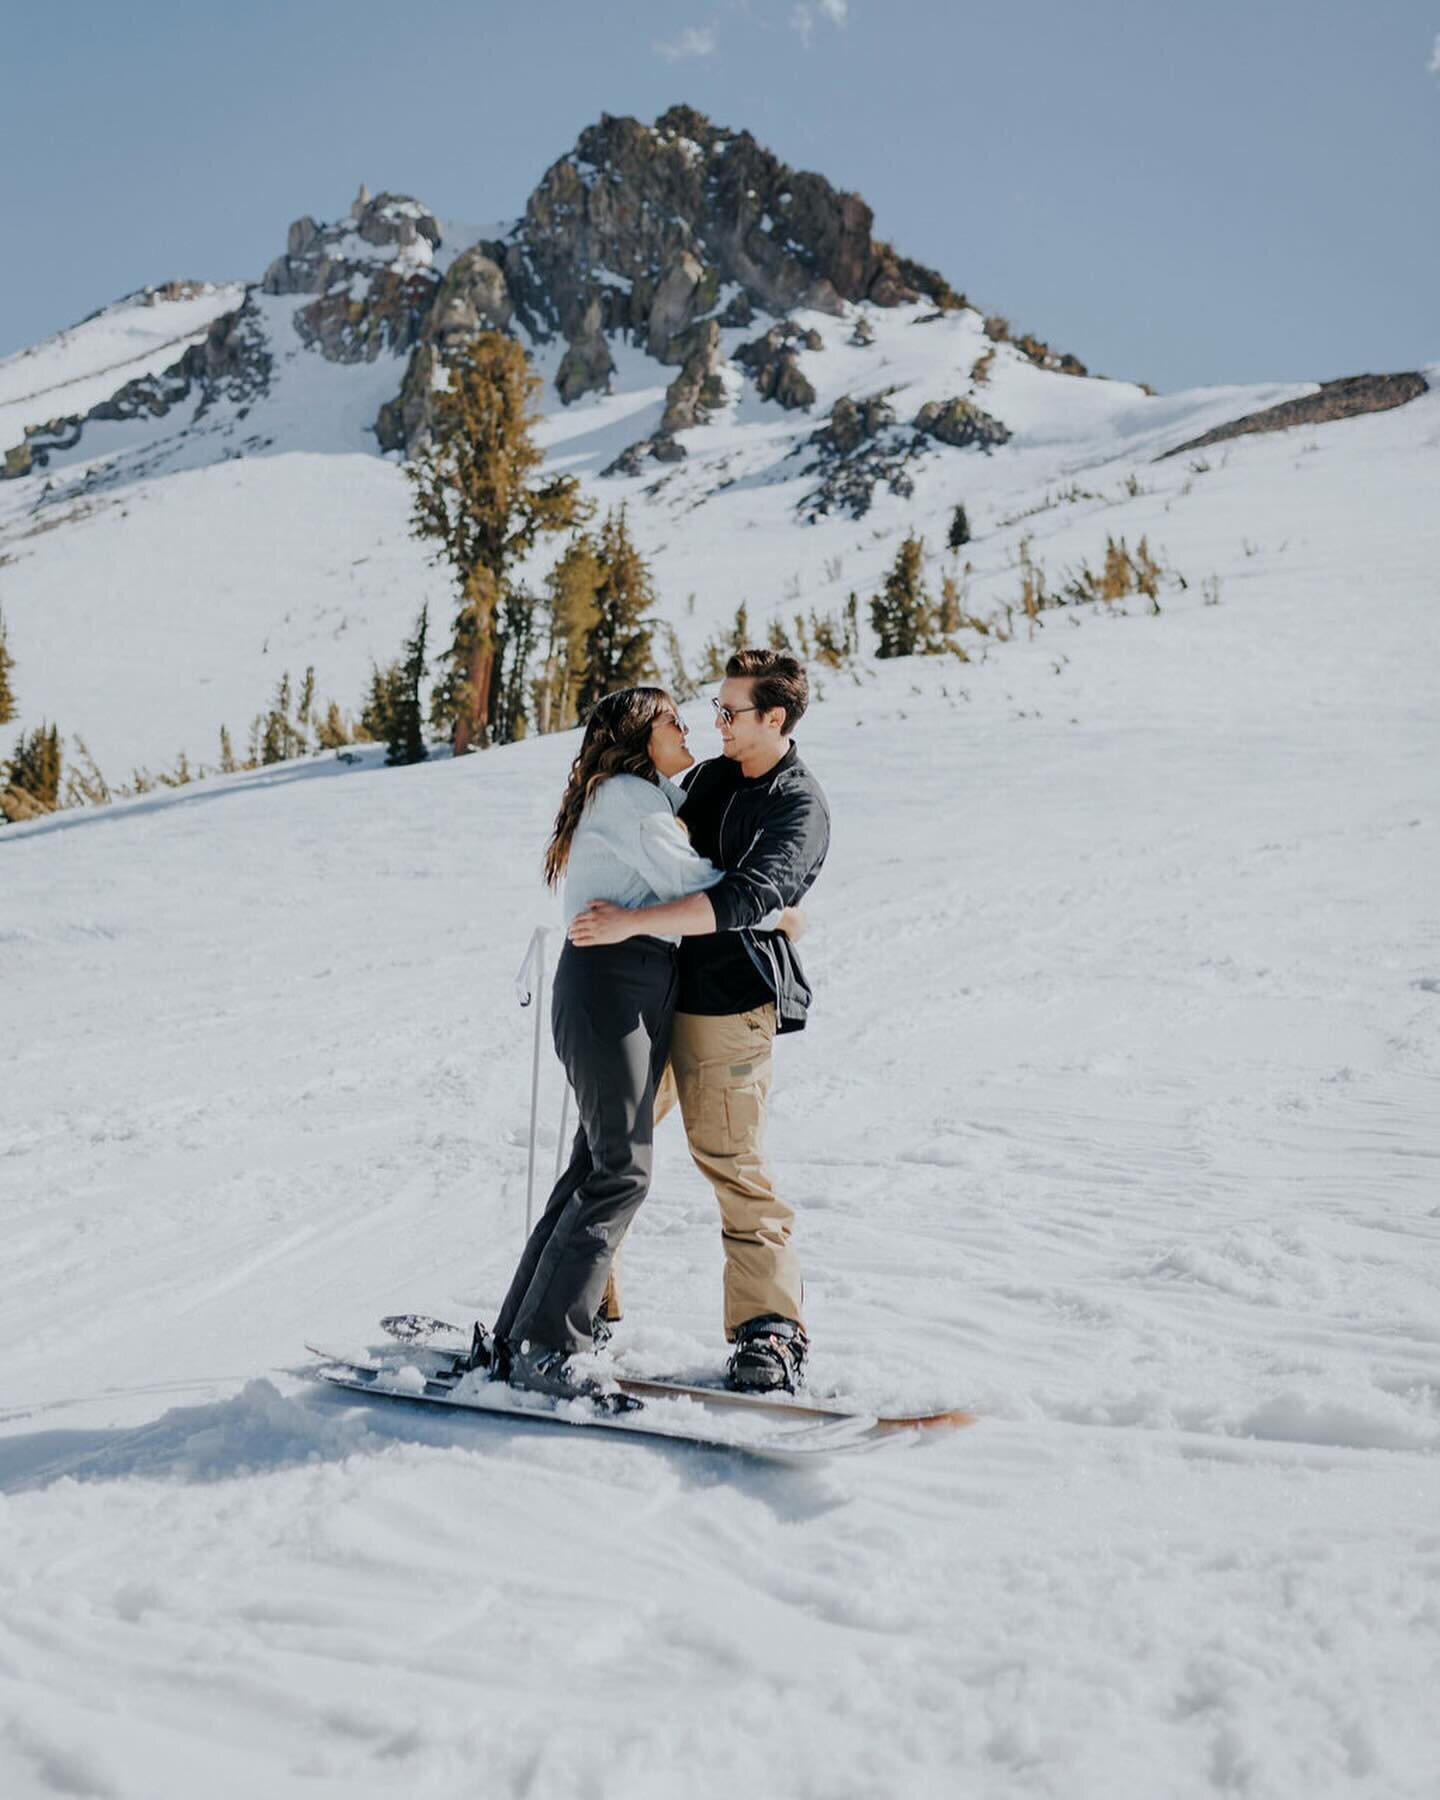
74	370
206	553
1117	1121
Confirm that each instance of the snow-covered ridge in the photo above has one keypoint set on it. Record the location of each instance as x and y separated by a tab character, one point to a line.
139	335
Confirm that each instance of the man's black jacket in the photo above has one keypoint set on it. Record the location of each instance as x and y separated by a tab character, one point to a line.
770	835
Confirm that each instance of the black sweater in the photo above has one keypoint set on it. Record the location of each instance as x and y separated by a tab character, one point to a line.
770	834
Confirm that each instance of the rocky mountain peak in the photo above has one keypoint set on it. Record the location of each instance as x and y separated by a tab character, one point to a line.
691	207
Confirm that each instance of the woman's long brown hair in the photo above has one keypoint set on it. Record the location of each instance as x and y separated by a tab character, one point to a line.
616	742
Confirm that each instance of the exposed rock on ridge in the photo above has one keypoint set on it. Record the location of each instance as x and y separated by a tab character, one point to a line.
1341	399
861	447
773	361
372	276
233	362
961	423
649	231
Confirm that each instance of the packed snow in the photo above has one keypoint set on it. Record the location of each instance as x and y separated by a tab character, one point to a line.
1116	1122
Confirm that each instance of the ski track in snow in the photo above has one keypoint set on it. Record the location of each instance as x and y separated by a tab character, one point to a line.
1116	1121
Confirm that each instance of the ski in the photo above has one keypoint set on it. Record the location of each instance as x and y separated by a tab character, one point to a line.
420	1332
668	1418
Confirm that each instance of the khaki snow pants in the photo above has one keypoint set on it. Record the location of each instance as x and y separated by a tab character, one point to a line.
720	1073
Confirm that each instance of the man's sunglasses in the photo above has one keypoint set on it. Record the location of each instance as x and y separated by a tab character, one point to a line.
727	715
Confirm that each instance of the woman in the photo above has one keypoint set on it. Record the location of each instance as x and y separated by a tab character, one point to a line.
616	838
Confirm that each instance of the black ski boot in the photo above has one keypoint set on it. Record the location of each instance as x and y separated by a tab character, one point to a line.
552	1372
770	1353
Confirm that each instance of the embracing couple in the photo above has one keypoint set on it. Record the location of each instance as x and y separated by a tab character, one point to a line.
678	972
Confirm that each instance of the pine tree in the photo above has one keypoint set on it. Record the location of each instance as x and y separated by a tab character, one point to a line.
332	733
902	615
959	529
404	735
519	621
618	652
34	775
228	764
571	588
307	699
474	501
382	704
7	691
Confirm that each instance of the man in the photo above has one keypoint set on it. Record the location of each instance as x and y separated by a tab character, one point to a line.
759	814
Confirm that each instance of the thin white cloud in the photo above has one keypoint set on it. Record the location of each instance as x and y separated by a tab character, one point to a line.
696	40
803	17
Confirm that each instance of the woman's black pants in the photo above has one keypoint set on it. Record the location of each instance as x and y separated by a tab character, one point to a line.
611	1013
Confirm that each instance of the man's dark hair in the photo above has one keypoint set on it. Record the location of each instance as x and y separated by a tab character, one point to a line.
779	681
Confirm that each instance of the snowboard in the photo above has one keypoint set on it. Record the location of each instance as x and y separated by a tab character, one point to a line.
445	1341
429	1378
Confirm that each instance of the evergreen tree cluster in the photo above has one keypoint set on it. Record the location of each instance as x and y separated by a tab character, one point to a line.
32	776
906	620
600	603
393	713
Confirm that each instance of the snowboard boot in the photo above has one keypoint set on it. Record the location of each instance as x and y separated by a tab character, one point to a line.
770	1353
552	1372
601	1330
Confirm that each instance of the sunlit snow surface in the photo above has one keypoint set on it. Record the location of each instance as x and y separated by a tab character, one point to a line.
1117	1121
165	573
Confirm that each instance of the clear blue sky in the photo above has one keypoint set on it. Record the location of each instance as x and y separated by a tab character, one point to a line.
1178	192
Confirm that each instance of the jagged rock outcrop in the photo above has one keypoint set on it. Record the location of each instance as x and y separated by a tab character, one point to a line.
852	421
233	362
1344	398
698	389
860	448
587	365
474	296
961	423
774	363
372	276
695	393
670	224
658	229
687	290
404	422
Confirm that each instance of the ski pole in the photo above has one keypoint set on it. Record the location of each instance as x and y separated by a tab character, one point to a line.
530	990
535	1081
